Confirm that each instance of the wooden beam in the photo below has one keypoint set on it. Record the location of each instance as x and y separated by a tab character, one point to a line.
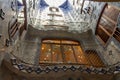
102	27
106	17
82	6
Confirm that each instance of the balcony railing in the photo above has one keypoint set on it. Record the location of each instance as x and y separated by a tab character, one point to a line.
48	67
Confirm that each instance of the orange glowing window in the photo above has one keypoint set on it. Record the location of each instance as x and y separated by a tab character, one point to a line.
63	51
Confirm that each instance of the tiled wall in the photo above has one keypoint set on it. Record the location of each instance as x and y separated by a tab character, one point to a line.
110	53
5	5
9	17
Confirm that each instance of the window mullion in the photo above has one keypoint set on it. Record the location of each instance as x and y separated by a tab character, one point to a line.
62	52
74	54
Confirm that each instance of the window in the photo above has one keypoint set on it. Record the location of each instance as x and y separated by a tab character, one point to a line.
107	24
61	51
116	34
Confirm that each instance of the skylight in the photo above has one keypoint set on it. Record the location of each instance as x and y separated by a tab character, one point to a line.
55	3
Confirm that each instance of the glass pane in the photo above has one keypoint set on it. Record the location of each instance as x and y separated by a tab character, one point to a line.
56	54
68	53
45	55
80	55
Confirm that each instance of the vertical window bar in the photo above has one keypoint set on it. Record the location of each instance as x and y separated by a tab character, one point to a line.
74	54
51	52
62	51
